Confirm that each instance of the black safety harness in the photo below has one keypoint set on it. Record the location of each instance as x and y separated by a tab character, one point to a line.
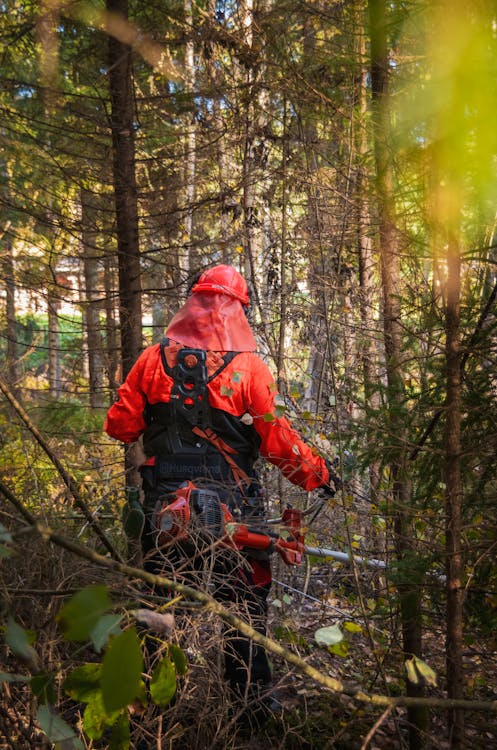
184	434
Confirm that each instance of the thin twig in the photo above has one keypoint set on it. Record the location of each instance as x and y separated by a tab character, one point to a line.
375	726
64	474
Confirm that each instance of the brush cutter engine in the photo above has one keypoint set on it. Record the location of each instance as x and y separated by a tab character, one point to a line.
190	512
197	515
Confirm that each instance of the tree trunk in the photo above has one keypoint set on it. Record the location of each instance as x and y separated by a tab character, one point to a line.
281	380
409	590
254	178
10	313
93	293
453	495
54	382
314	220
111	337
125	192
190	260
126	203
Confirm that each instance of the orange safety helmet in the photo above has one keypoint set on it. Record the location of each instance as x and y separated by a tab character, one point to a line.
223	280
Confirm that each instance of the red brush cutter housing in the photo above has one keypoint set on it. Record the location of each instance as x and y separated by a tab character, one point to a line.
192	510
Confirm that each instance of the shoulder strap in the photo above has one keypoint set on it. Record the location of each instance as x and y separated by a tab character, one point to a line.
189	398
227	358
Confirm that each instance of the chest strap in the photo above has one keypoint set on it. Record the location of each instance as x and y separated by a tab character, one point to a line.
227	452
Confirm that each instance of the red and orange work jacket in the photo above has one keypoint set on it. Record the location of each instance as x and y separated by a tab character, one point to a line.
241	422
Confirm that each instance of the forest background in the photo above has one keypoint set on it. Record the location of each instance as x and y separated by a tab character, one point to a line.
342	155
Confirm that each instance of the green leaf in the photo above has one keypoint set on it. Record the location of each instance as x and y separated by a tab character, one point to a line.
5	535
122	666
82	612
269	417
236	377
412	674
352	627
163	682
339	649
19	641
419	673
57	730
43	688
5	551
96	719
328	636
178	656
284	633
106	626
225	391
83	682
8	677
120	735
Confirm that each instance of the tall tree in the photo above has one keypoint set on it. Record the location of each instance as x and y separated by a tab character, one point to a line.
389	253
122	120
93	294
454	490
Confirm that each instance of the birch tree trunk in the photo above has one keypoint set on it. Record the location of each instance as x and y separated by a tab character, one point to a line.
368	352
190	259
315	225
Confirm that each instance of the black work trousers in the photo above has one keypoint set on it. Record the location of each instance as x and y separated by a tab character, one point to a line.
230	578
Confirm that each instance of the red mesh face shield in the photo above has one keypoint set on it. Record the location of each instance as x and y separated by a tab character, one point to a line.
212	321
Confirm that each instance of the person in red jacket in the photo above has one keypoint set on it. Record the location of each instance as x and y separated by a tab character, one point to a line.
203	402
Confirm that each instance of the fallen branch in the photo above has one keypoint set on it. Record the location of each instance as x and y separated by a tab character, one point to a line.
215	607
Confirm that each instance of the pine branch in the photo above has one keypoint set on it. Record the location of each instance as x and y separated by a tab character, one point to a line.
64	474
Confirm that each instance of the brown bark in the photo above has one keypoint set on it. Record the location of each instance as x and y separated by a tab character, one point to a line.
368	351
318	348
54	372
111	338
93	294
453	496
10	312
409	591
125	192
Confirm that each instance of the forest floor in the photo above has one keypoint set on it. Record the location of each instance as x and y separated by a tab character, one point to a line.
313	718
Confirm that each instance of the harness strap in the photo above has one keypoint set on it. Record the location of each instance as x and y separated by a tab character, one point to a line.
199	416
226	451
227	358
